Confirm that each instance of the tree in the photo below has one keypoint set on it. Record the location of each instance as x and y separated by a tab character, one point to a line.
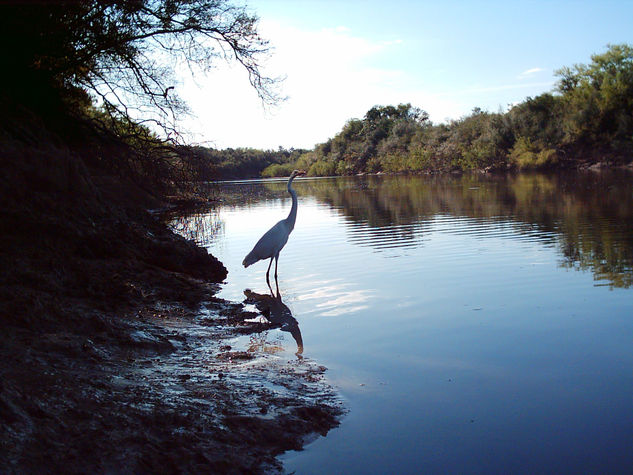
538	119
124	53
598	98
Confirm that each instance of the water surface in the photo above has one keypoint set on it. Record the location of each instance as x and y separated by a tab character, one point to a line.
473	324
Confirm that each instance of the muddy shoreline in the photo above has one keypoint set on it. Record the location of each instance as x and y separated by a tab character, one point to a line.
115	356
162	393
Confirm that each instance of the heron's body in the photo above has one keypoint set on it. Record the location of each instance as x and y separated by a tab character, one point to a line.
272	242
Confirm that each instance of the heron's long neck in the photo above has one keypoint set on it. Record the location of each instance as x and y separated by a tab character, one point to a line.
292	216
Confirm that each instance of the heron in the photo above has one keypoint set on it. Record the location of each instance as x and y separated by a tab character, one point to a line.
272	242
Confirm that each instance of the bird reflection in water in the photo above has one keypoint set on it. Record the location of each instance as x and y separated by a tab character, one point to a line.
277	313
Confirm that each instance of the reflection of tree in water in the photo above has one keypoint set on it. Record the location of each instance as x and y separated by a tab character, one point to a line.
594	218
612	265
203	226
591	213
362	200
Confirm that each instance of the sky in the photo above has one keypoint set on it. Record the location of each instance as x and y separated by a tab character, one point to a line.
340	58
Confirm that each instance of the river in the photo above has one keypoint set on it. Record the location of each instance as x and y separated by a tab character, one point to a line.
472	324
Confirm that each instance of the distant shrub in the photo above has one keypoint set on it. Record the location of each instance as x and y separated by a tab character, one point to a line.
394	163
277	169
419	158
527	155
322	168
342	168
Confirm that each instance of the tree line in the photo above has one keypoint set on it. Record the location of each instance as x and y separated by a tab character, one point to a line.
587	118
233	163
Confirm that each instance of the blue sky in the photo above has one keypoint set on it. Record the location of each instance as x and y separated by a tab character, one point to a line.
340	58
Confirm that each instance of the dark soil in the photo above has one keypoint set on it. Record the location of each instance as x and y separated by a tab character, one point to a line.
113	350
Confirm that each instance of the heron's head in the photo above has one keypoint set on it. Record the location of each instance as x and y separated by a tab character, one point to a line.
297	173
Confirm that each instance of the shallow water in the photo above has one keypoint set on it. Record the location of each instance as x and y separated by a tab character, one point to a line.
473	324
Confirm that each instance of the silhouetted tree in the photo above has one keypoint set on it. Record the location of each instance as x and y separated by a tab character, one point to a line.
124	52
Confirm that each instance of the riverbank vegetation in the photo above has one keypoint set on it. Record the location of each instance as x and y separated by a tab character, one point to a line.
587	119
243	162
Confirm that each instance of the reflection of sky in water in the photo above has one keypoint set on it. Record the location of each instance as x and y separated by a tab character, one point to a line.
460	343
334	297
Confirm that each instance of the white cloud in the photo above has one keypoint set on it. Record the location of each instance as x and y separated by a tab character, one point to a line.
334	298
529	72
332	75
330	78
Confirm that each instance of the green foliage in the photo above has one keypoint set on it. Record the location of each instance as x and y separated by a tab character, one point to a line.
598	99
419	157
322	168
538	118
277	169
248	162
479	141
306	160
527	155
362	145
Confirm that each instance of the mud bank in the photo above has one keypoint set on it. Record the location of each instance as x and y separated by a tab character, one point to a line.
114	355
162	392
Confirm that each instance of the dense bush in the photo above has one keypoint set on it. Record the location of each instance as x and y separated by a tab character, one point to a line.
277	169
527	155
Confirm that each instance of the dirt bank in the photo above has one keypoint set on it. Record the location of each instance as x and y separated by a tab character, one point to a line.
114	354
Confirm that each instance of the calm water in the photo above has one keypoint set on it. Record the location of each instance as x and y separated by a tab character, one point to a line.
472	324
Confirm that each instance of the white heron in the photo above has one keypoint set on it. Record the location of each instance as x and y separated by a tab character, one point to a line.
270	244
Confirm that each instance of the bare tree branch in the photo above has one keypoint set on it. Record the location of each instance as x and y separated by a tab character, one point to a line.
134	46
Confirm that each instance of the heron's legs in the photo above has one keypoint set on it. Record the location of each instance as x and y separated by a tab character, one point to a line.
272	293
277	287
276	281
268	270
278	297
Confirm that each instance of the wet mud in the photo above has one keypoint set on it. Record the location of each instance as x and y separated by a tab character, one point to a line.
168	394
